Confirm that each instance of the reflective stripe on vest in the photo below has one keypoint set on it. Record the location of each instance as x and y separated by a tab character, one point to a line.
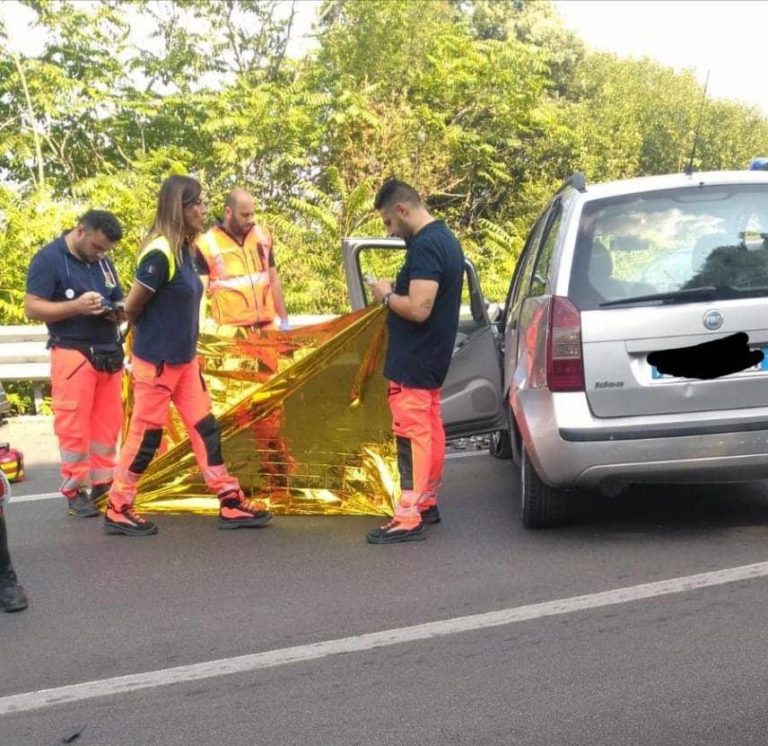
160	243
239	276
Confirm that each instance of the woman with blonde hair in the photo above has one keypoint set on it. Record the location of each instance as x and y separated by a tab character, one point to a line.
163	303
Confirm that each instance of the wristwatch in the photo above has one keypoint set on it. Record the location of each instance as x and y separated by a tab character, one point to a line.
385	299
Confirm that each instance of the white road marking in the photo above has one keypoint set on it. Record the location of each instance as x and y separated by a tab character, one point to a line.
28	701
32	498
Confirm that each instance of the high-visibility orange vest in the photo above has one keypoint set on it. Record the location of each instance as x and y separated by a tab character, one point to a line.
239	276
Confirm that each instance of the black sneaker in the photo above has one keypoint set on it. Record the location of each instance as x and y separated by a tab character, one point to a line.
237	512
79	503
430	515
12	595
127	522
391	533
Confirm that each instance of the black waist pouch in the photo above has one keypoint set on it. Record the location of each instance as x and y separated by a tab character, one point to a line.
105	362
104	357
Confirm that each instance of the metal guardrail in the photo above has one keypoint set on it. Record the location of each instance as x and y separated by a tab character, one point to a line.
24	357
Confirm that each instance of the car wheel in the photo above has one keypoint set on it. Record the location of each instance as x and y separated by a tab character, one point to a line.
541	506
500	445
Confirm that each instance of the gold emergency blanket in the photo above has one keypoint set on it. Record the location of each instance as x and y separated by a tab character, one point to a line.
304	421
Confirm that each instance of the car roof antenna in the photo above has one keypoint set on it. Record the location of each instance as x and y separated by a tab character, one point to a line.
689	167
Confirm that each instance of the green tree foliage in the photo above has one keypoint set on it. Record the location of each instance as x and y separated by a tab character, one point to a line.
484	105
322	217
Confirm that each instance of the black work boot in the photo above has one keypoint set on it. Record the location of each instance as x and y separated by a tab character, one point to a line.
99	492
79	503
236	511
127	522
12	595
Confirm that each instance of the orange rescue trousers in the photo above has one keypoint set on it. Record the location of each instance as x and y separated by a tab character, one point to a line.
154	388
418	428
88	413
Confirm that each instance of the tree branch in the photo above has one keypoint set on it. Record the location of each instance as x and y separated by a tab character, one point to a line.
121	153
32	120
281	55
233	41
259	42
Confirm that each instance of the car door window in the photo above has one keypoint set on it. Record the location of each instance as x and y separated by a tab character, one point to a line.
521	279
542	267
379	263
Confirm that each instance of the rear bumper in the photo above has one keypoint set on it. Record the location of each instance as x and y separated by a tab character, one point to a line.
649	432
570	448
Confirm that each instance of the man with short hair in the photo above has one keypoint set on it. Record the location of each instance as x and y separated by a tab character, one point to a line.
243	285
423	303
72	286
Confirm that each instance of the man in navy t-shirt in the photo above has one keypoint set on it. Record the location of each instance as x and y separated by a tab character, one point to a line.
72	286
423	304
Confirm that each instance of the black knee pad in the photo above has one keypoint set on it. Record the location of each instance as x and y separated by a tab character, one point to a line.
405	462
147	449
208	430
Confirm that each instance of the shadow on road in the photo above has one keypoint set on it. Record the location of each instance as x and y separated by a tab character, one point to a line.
686	508
679	508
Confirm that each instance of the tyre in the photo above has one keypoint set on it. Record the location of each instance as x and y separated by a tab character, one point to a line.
500	445
541	506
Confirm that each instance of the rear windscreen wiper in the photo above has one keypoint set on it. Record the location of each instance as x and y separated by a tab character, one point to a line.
708	292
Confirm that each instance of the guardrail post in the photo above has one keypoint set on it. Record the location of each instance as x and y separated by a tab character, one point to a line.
37	392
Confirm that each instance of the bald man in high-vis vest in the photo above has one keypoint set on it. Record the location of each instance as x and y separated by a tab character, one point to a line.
246	299
244	288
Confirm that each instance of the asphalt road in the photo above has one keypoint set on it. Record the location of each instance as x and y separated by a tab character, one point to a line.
683	668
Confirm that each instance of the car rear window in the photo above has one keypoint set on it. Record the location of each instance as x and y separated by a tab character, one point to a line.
672	240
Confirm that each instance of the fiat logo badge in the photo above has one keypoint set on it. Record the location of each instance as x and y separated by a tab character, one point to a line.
713	320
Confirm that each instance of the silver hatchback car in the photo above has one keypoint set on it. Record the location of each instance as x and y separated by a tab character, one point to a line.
609	275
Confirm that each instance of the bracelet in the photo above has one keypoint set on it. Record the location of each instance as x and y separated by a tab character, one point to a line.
385	299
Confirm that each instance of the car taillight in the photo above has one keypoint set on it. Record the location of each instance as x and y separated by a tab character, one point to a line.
565	364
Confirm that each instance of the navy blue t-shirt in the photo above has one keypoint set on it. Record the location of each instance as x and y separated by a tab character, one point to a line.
166	331
55	274
418	355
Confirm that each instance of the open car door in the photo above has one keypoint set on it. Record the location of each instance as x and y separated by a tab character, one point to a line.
471	394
